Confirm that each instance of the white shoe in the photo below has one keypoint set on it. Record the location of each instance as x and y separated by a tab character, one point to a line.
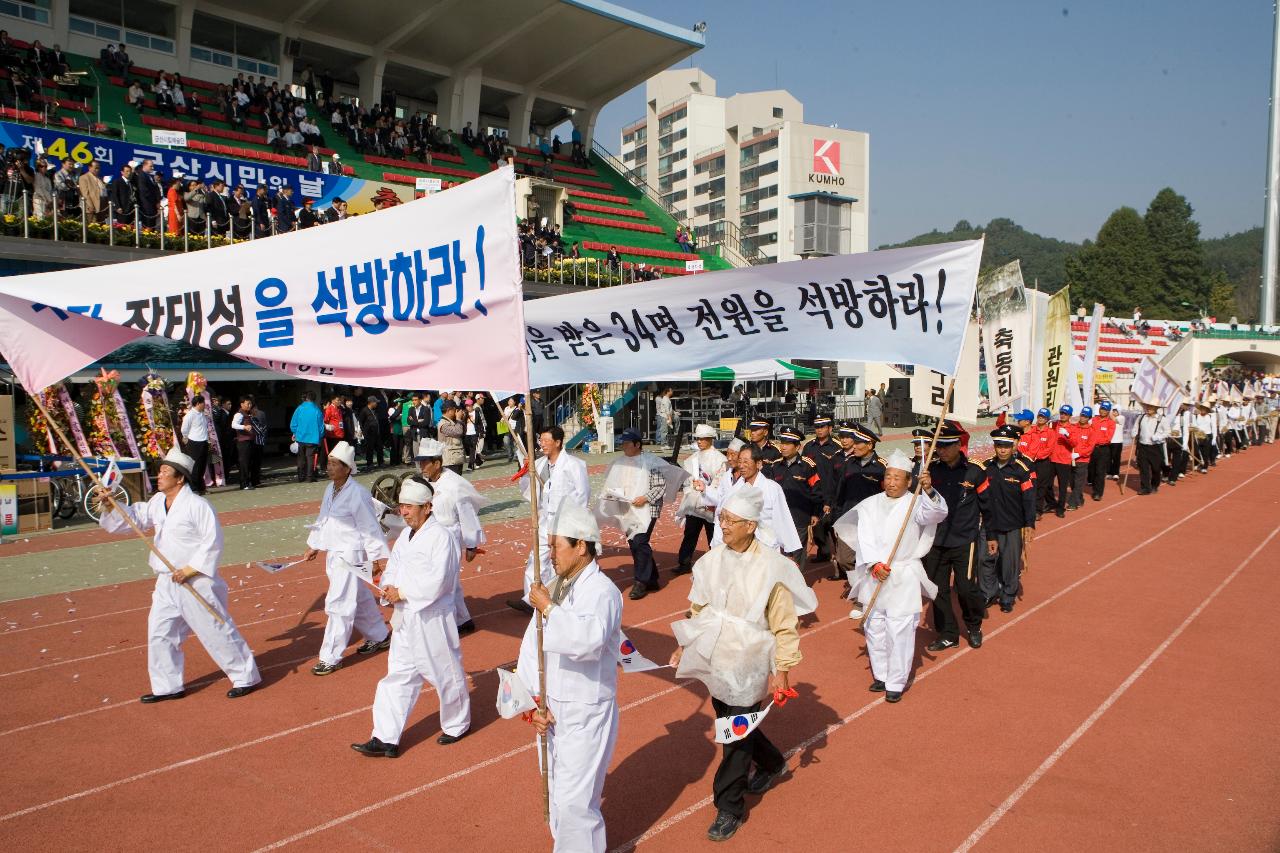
1182	476
855	613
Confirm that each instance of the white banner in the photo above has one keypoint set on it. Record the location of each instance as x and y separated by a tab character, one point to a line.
1153	387
1091	352
1006	334
1039	303
175	138
424	295
898	305
929	387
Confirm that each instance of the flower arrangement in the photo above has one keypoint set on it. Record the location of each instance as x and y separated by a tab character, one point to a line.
592	400
42	438
155	417
107	434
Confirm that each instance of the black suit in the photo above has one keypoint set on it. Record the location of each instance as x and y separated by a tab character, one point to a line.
120	194
285	217
148	189
219	214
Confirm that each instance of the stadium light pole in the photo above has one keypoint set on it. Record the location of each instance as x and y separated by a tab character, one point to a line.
1271	222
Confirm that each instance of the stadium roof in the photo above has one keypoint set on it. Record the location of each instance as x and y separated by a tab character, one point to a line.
576	54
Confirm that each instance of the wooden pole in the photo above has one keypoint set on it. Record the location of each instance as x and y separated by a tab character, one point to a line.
915	494
535	485
75	454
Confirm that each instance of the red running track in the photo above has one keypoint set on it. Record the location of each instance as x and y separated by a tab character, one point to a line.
1123	704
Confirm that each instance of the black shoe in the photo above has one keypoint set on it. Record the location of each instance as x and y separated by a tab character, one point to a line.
941	645
975	639
1006	607
724	827
1145	492
1060	513
445	740
821	557
761	781
1097	497
838	575
877	686
638	592
375	748
237	692
152	698
468	627
369	647
519	605
893	696
682	569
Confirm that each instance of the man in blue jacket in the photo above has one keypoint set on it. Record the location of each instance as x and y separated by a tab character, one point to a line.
307	426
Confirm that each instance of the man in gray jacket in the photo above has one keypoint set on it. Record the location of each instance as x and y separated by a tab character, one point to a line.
449	432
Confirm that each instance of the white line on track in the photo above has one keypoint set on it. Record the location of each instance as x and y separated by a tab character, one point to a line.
834	727
1093	718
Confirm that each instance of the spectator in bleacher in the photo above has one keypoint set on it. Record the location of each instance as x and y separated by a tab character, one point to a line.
575	251
218	207
286	218
194	110
356	137
197	199
309	83
92	191
174	204
66	187
58	63
307	216
294	139
310	131
120	196
336	118
8	51
41	190
116	59
313	159
148	194
326	84
135	95
613	260
37	58
176	92
275	139
555	145
261	212
164	96
468	136
20	88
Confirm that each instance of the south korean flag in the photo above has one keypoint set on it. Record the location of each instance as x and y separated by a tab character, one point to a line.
513	696
631	660
735	727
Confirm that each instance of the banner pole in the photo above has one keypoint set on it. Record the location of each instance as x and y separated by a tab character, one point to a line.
75	454
535	484
915	494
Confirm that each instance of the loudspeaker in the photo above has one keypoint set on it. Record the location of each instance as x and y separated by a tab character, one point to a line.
293	48
900	388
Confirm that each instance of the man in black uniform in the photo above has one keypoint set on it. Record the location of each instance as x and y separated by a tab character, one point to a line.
954	543
758	434
800	481
861	475
824	451
1006	497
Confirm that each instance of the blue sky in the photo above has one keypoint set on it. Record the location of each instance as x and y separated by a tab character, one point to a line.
1051	114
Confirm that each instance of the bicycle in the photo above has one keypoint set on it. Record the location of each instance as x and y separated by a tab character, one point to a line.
64	502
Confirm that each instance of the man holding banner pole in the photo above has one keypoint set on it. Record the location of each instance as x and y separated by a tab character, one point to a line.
1149	436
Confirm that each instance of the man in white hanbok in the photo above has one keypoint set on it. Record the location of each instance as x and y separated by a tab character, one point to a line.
347	530
419	581
457	506
705	464
188	534
741	641
775	516
582	642
562	478
871	528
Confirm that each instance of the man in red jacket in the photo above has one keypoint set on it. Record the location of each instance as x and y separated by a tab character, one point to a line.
333	431
1039	446
1103	429
1060	455
1082	435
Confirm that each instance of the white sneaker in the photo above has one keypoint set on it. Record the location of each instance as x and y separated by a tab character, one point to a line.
856	612
1182	476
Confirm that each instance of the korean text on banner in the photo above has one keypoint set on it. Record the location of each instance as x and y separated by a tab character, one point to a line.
1006	333
898	305
929	387
1057	349
424	295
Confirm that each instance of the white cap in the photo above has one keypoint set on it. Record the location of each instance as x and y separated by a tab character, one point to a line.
575	522
704	431
746	503
737	444
344	453
179	461
429	447
415	493
898	461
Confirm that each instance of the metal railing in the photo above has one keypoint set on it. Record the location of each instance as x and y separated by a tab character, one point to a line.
588	272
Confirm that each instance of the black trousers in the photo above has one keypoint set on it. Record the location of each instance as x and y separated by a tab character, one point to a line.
1113	466
255	463
646	570
372	451
1044	485
1099	465
307	461
962	562
692	527
1150	460
244	458
730	784
1203	450
1079	474
469	448
199	453
1062	488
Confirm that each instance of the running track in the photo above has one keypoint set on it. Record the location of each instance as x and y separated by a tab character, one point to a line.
1125	704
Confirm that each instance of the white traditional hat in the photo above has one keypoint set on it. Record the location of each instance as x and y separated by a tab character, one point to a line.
574	522
344	453
737	444
898	461
746	503
415	493
179	461
428	448
704	431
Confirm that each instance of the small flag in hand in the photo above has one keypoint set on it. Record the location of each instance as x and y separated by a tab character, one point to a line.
632	660
112	476
737	726
513	697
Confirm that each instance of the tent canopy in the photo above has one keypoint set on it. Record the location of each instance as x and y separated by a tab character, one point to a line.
747	371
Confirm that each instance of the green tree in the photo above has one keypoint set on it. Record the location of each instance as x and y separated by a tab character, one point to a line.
1175	239
1222	297
1119	269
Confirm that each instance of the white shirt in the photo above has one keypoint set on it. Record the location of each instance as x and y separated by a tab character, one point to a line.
187	533
422	568
871	528
455	505
1151	429
568	481
775	515
347	526
195	426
